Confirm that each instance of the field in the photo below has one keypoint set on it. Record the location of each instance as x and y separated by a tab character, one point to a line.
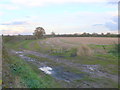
61	62
88	40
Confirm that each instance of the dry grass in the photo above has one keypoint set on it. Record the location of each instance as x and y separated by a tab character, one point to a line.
84	50
69	42
90	40
81	43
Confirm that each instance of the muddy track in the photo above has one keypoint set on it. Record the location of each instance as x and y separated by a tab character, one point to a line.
95	71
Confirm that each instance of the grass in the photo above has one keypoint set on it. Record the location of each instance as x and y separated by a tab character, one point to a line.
64	52
27	76
102	59
115	50
33	78
21	44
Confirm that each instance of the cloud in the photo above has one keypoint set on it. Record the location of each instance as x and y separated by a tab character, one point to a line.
46	2
16	4
97	25
1	13
9	6
113	2
15	23
111	25
12	30
66	22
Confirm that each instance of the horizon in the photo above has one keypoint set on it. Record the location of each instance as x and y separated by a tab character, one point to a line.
59	16
60	34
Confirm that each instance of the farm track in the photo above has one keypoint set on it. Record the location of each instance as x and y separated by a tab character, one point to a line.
95	71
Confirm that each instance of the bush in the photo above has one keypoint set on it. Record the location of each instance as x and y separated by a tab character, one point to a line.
115	50
84	50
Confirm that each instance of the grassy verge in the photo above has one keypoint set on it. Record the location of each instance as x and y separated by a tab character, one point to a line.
24	74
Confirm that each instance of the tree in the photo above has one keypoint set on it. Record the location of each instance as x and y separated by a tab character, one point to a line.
94	34
39	32
53	34
108	34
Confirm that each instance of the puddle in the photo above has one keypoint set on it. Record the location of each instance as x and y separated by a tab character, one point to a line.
47	70
56	72
19	52
59	73
91	68
21	55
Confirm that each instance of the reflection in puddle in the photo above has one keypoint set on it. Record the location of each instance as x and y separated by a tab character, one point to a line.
21	55
19	52
47	70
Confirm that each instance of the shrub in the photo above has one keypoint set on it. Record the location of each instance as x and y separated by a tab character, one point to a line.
115	50
84	50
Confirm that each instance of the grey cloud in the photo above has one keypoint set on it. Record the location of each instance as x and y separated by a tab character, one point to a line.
113	25
97	24
15	23
113	2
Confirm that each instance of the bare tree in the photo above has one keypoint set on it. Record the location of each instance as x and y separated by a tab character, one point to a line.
39	32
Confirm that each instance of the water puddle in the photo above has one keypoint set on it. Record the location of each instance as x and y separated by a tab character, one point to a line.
91	68
47	70
59	73
56	72
19	52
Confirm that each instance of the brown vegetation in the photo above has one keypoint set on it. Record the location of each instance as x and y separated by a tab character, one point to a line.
84	50
90	40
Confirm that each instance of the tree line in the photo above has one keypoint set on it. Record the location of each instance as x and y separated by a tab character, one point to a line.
40	33
88	35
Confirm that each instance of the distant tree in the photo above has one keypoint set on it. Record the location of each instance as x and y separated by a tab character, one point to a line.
94	34
39	32
108	34
84	34
102	34
53	34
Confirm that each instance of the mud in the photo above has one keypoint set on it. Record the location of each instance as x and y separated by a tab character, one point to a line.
94	71
57	72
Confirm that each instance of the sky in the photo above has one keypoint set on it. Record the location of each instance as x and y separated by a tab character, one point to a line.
59	16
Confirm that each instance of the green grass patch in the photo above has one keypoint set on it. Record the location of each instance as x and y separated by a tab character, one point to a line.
115	50
26	73
28	76
65	53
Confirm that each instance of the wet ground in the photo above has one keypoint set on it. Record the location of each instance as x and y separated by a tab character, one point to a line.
60	73
56	72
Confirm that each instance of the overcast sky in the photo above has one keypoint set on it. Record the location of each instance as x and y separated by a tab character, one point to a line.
60	16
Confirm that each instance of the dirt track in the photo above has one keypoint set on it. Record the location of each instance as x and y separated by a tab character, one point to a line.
95	71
